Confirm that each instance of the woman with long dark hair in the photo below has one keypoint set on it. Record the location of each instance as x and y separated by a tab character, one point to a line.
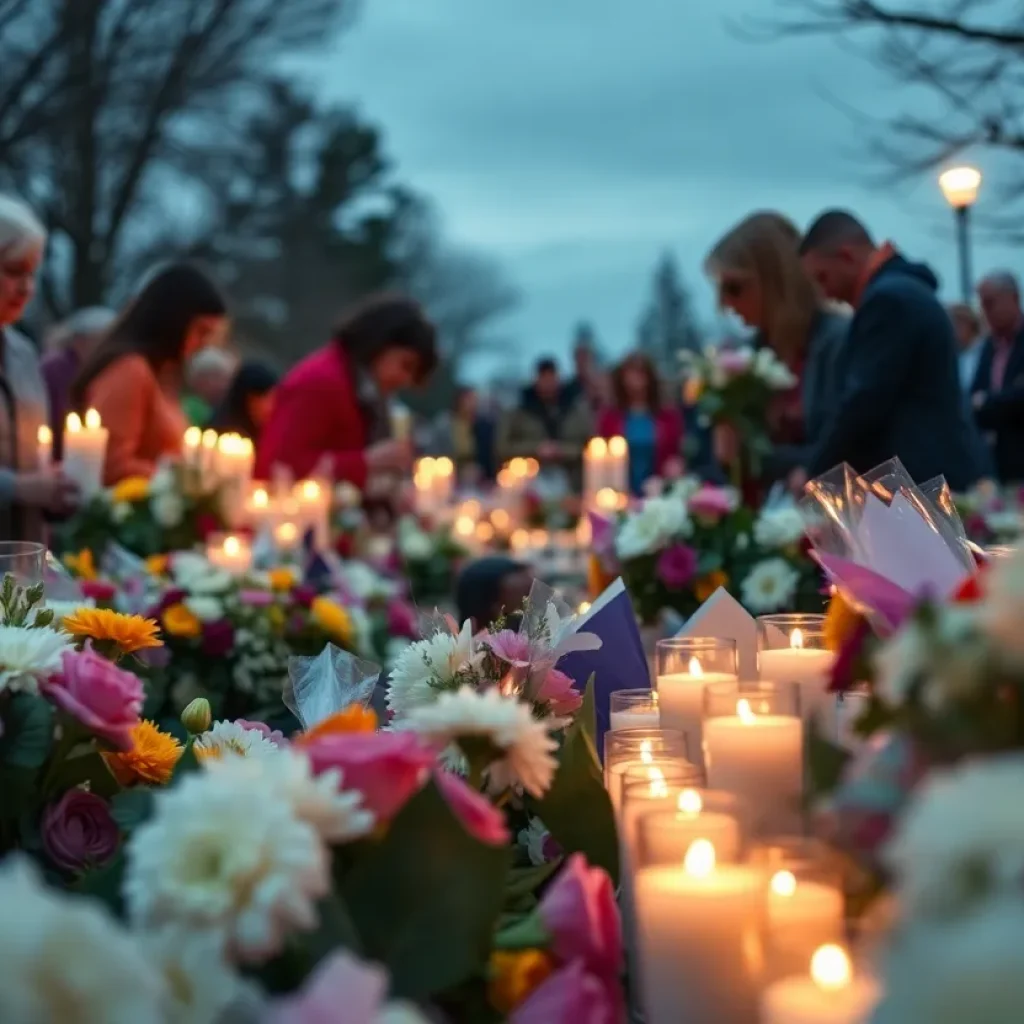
330	412
246	407
653	429
134	377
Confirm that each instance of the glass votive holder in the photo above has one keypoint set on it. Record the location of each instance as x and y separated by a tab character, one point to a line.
753	747
665	832
698	922
805	902
652	787
792	649
634	709
683	666
638	747
24	560
850	708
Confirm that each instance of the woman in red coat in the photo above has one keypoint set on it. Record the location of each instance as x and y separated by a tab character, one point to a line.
652	428
330	412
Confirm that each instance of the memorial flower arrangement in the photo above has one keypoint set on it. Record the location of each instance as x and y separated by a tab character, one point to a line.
677	549
248	877
171	511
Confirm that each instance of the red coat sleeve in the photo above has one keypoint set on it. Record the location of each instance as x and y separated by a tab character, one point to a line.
308	424
609	423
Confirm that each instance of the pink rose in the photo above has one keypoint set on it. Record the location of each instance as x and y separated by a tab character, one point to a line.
677	565
78	831
481	819
386	767
104	698
275	736
559	693
571	995
579	911
712	502
342	990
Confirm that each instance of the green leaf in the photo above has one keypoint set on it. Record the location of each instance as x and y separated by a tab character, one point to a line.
88	768
132	807
18	786
525	881
27	732
526	933
587	714
576	809
825	763
425	899
105	884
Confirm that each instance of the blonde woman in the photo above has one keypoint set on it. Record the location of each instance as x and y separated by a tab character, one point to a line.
756	270
28	491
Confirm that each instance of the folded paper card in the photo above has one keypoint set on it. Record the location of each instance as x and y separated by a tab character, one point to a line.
721	616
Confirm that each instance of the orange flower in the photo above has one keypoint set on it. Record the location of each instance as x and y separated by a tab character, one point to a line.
151	759
707	585
282	579
840	622
156	565
354	718
179	621
126	632
515	975
82	564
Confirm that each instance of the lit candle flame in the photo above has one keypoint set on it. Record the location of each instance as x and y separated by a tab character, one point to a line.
607	499
192	437
260	498
73	424
310	490
287	533
695	667
520	540
506	479
445	466
518	468
597	448
743	709
44	435
830	968
690	802
232	546
92	420
656	784
700	858
783	883
464	526
532	467
209	439
583	608
796	640
617	447
484	532
500	519
646	751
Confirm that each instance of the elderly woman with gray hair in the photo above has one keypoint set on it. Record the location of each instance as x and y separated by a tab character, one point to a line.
28	491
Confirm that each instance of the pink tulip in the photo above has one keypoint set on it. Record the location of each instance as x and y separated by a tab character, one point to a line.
571	995
481	819
341	990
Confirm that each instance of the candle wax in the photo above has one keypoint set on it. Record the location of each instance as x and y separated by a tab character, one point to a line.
671	836
800	1000
809	668
681	702
801	922
640	717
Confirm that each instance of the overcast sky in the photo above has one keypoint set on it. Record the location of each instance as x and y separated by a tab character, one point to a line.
575	140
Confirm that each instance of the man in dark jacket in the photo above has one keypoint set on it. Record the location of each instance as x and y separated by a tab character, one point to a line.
997	391
897	373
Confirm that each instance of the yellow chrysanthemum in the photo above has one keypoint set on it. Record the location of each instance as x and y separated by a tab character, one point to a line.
179	621
282	579
515	975
131	490
840	622
354	718
333	620
126	632
707	585
82	565
157	565
151	759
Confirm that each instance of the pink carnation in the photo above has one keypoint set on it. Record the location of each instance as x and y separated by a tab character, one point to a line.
386	767
712	502
559	692
571	995
511	647
104	698
677	565
481	819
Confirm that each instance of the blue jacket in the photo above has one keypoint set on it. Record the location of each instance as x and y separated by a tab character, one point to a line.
899	387
1000	416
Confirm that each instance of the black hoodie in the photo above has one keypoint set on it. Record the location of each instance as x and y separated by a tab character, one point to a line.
898	385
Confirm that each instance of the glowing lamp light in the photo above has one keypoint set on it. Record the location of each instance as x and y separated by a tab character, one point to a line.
960	186
830	968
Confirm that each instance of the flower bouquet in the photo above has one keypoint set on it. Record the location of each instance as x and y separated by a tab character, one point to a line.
677	549
172	511
733	387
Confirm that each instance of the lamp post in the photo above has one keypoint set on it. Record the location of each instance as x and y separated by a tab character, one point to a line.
960	187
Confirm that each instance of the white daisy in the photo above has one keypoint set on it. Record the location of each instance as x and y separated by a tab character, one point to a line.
318	800
780	526
226	854
524	748
426	667
658	522
66	959
230	738
28	655
770	586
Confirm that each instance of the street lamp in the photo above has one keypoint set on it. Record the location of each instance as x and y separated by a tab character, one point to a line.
960	187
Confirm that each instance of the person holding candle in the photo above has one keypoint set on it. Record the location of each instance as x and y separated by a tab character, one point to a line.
134	377
652	428
247	404
331	410
30	487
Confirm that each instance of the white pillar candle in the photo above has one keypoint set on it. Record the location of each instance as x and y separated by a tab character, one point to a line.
803	914
286	537
401	422
829	994
443	482
669	835
208	459
618	465
758	757
191	447
595	461
231	553
636	718
44	446
681	700
235	458
314	504
810	668
260	510
698	924
85	449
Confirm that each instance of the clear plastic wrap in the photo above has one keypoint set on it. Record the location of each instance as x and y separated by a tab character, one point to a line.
319	687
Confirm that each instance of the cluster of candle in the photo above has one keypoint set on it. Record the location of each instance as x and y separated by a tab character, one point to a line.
291	513
434	481
230	552
223	461
558	552
85	450
605	471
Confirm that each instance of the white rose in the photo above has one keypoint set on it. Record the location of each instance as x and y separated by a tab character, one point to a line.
216	582
656	524
168	508
205	609
416	545
779	527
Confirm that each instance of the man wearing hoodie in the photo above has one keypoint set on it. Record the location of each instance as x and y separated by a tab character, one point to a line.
897	372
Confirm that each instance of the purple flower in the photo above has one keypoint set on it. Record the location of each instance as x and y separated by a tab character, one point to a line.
78	831
677	566
304	595
256	598
218	638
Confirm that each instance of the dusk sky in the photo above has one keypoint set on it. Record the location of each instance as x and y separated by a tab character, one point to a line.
574	140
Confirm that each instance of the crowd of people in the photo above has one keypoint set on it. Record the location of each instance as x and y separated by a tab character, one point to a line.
883	369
